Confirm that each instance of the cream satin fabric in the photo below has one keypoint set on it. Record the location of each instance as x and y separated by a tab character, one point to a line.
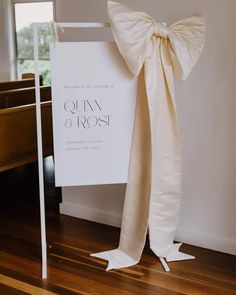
160	55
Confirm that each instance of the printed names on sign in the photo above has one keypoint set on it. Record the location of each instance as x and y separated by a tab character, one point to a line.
94	99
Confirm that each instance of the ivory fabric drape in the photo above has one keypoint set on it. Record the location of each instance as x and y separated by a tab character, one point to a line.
159	55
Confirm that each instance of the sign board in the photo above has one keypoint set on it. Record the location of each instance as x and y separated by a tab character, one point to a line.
93	98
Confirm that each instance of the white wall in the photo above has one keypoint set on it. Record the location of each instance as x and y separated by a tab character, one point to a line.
207	111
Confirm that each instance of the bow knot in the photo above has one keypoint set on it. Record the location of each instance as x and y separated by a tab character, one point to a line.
160	30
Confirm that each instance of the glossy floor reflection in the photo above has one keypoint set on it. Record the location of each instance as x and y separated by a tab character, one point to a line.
70	241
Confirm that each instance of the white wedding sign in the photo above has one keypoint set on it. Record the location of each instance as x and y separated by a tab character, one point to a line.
94	98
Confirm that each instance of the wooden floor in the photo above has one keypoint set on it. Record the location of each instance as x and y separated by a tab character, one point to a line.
70	241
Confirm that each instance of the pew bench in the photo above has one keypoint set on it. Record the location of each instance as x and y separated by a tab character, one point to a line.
18	84
18	97
18	134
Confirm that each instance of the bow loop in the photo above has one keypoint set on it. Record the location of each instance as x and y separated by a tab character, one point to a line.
130	32
187	38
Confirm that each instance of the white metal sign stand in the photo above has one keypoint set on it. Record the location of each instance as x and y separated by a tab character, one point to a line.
40	153
39	126
55	27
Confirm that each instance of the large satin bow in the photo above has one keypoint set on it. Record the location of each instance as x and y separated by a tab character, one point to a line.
160	55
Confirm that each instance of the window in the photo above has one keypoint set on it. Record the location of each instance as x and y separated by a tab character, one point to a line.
26	13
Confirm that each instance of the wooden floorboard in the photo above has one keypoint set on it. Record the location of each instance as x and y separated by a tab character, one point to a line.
4	289
71	269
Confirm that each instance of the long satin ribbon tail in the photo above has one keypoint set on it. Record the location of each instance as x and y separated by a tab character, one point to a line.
176	255
116	259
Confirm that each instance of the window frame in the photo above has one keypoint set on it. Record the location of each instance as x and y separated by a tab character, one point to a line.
13	39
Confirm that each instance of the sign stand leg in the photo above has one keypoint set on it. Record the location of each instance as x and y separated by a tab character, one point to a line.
164	264
40	154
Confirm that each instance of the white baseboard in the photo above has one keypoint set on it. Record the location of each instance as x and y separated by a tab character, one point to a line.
90	213
196	238
206	240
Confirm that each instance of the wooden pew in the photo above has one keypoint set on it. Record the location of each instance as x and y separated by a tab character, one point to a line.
9	85
18	135
18	97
